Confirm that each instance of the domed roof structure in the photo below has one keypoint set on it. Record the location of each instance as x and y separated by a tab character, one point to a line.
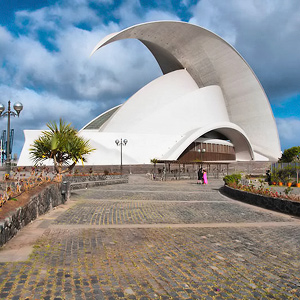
207	89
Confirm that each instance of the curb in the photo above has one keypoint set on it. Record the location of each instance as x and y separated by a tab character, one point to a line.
277	204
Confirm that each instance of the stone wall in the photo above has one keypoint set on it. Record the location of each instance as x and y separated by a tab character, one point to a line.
83	182
51	196
39	204
277	204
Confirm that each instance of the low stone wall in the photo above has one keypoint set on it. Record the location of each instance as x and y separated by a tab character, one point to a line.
277	204
51	196
81	178
83	182
39	204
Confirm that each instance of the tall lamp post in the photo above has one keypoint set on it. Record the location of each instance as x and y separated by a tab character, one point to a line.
18	106
201	151
121	143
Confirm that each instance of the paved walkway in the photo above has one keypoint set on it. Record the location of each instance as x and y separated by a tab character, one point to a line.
154	240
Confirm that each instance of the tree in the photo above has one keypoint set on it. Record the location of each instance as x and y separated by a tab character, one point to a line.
62	144
154	161
290	155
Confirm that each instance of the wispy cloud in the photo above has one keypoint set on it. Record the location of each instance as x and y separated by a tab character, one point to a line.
288	129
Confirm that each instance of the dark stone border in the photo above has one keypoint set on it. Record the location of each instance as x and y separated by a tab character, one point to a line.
38	204
87	184
83	182
52	196
277	204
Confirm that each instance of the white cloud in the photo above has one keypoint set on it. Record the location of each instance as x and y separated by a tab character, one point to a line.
6	44
40	109
71	73
68	71
158	15
131	13
128	14
212	15
185	2
288	130
56	17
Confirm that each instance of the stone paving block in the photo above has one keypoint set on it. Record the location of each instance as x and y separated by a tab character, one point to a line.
183	257
139	212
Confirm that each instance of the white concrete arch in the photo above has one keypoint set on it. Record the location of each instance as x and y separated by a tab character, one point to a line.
242	145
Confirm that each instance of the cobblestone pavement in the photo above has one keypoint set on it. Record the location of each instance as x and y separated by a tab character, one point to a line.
174	240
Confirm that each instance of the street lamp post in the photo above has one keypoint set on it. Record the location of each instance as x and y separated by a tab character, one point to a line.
201	151
121	143
18	108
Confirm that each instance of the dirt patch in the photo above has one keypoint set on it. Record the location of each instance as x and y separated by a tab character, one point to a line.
10	206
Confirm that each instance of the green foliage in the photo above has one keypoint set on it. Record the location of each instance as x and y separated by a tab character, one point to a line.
290	155
13	199
233	178
288	190
283	175
62	144
274	175
154	161
261	183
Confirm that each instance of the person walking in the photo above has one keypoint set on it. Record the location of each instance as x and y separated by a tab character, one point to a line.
204	177
200	176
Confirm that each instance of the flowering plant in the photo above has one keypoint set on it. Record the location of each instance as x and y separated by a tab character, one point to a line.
261	190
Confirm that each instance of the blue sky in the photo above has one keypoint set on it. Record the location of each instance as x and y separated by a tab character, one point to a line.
45	47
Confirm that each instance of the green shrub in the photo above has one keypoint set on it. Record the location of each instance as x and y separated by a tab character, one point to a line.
233	178
284	175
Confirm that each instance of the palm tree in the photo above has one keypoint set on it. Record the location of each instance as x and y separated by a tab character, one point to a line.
62	144
154	161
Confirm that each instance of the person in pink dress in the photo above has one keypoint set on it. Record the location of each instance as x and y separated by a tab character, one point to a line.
204	177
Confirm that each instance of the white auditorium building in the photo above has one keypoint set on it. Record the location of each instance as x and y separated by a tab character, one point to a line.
208	105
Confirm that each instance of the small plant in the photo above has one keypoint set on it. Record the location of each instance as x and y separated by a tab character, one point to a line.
287	190
15	186
261	183
154	161
232	179
275	176
105	172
